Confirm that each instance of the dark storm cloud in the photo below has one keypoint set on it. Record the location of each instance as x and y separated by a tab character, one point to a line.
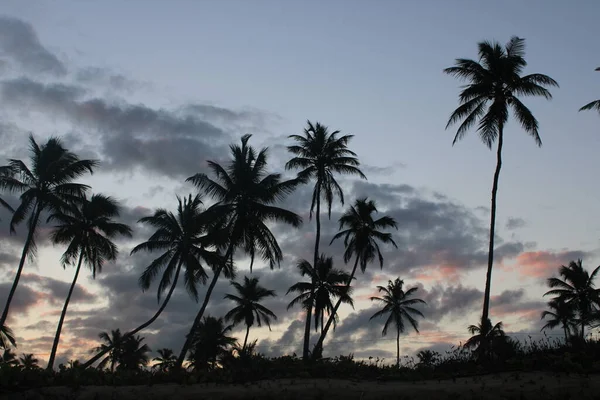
57	290
20	43
513	223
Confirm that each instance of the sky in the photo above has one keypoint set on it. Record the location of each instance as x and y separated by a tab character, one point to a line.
154	89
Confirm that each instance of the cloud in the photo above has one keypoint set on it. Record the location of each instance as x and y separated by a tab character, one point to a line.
513	223
544	264
104	77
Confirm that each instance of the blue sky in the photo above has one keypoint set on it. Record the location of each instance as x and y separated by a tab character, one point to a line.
373	69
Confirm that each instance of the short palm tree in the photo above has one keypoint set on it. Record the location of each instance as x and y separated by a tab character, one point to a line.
320	155
398	306
326	284
362	235
483	337
592	105
248	308
560	313
210	343
114	342
494	85
165	360
88	229
184	241
246	202
7	337
8	357
46	186
28	361
134	353
576	288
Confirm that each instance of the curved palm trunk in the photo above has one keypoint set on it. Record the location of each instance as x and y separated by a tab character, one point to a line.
143	326
398	348
26	246
319	346
62	316
306	348
246	337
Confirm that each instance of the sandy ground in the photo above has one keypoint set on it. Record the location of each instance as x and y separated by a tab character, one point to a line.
533	385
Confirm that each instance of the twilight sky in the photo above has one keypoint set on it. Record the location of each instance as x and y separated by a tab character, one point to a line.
154	89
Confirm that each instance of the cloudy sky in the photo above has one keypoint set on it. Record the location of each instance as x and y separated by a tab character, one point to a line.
154	89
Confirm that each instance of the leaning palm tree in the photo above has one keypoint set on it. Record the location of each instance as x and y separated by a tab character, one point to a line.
398	305
592	105
184	241
210	342
246	202
7	337
320	155
494	84
326	284
47	185
577	289
134	353
114	343
88	229
165	360
28	361
560	313
248	308
362	236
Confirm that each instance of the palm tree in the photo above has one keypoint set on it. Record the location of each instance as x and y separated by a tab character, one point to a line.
113	342
88	229
428	358
184	241
7	337
134	353
483	337
28	361
5	172
320	155
165	360
45	186
560	313
8	357
248	308
398	305
577	289
210	342
326	283
493	86
592	105
361	237
246	196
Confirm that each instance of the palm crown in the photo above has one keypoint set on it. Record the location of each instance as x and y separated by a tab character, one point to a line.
248	308
592	105
210	342
559	313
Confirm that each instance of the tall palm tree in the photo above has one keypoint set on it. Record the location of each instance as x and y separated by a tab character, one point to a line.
494	84
7	337
165	360
248	308
320	155
592	105
210	342
246	196
362	236
326	283
577	290
88	229
134	353
560	313
184	241
47	185
114	342
398	305
483	337
28	361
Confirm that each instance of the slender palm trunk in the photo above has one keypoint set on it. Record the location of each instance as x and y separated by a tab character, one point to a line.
26	247
306	348
246	337
583	328
143	326
398	348
566	335
63	314
319	346
213	283
488	278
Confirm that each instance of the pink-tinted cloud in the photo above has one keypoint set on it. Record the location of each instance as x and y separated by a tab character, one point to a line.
543	264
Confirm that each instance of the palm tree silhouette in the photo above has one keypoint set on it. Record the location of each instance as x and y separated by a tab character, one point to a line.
560	313
326	283
28	361
361	237
320	155
165	360
245	195
483	337
594	104
113	345
248	308
577	289
494	84
7	337
184	240
133	354
88	229
210	342
398	306
45	186
8	357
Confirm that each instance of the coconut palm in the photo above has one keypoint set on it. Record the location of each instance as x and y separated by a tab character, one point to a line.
246	196
134	353
46	185
577	289
113	341
8	357
165	360
28	361
248	308
398	306
494	84
326	284
88	229
185	242
560	313
362	236
320	155
210	342
592	105
7	337
483	337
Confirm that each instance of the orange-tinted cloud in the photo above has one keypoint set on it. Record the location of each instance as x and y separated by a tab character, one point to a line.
543	264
